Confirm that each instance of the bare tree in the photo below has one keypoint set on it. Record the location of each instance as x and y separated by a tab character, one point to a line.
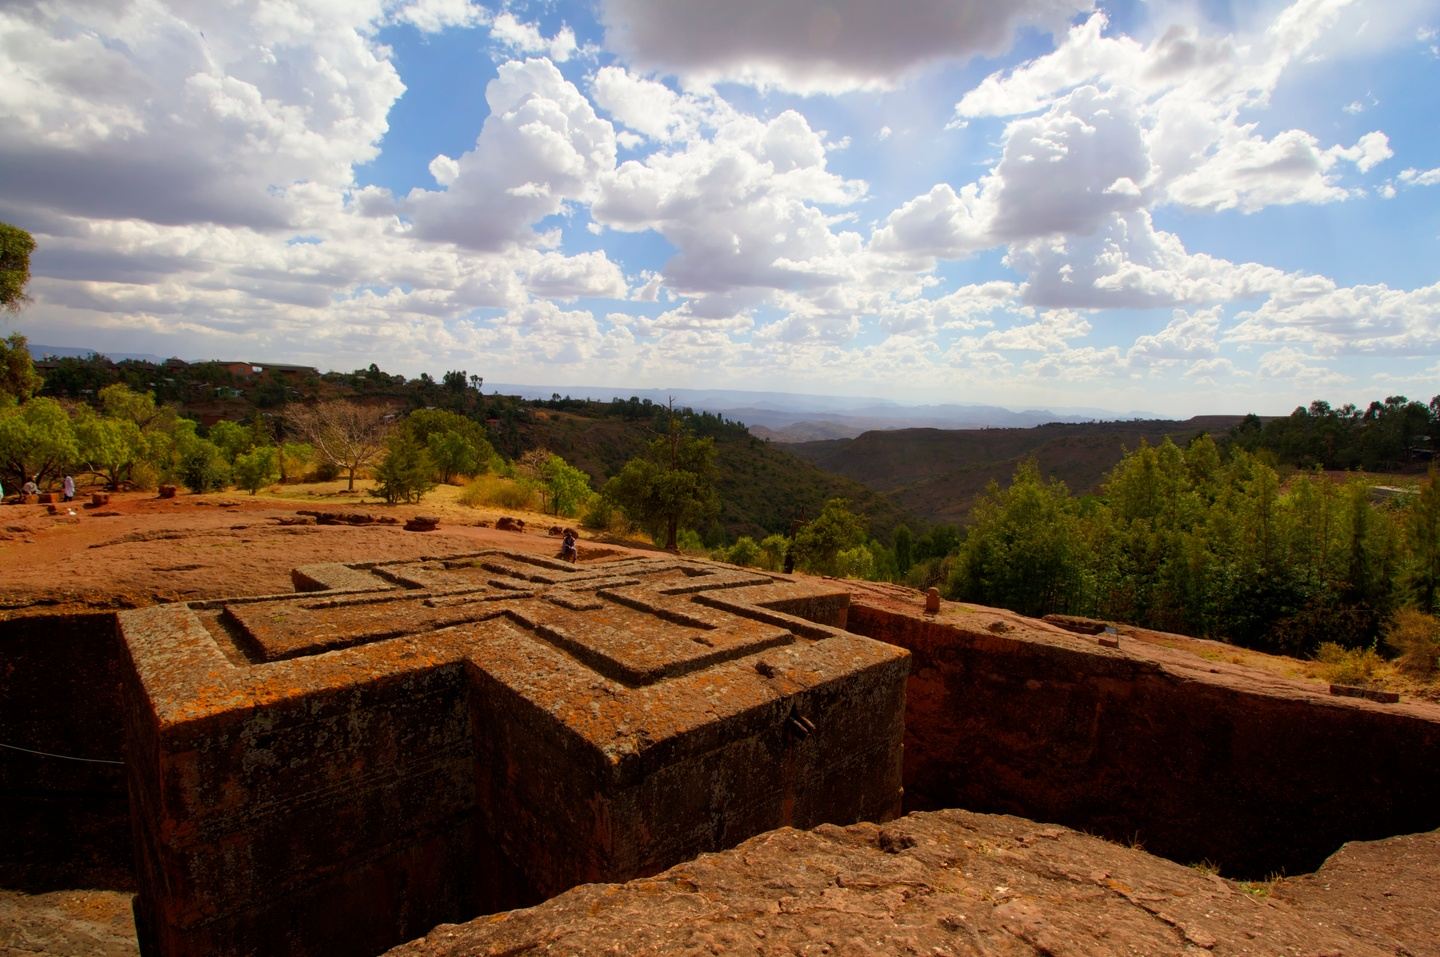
348	435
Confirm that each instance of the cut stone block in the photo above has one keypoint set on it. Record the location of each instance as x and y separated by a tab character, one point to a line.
338	771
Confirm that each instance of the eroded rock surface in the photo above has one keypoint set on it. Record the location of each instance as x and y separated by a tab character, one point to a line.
956	883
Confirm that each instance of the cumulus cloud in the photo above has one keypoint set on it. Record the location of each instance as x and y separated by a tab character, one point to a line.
742	207
1353	320
525	38
1186	91
541	145
1050	332
941	224
176	113
1250	173
818	47
432	16
569	277
1128	263
1415	177
1189	336
1068	170
651	108
1299	369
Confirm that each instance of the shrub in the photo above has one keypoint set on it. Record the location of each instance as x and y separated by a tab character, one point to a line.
293	460
256	468
498	492
144	477
204	468
855	562
772	552
599	514
743	552
1348	666
1415	637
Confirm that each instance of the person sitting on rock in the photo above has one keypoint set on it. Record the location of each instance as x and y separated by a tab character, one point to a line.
568	549
31	487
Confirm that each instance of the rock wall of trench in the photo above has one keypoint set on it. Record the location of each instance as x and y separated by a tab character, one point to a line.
66	822
1190	768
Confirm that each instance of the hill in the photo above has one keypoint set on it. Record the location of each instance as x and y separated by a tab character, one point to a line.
938	474
762	488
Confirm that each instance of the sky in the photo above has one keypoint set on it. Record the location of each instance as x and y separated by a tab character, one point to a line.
1185	206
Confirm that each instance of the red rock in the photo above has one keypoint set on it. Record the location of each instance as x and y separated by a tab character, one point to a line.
954	882
335	772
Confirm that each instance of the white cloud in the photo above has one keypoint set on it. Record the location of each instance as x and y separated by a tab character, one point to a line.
941	224
817	47
180	113
542	334
742	208
1354	320
525	38
1415	177
1068	170
1050	332
568	277
1185	92
541	145
651	108
432	16
1209	372
1128	263
1249	173
1298	369
1189	336
1083	364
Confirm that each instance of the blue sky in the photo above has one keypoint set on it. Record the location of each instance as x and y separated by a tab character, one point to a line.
1183	207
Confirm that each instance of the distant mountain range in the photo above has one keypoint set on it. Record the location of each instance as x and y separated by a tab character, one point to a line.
795	417
776	416
67	352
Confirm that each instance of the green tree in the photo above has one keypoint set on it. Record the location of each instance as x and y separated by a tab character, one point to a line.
36	441
1423	528
119	401
232	439
453	455
18	378
1023	548
670	484
167	438
109	447
16	245
456	445
202	465
567	487
257	468
406	473
819	542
